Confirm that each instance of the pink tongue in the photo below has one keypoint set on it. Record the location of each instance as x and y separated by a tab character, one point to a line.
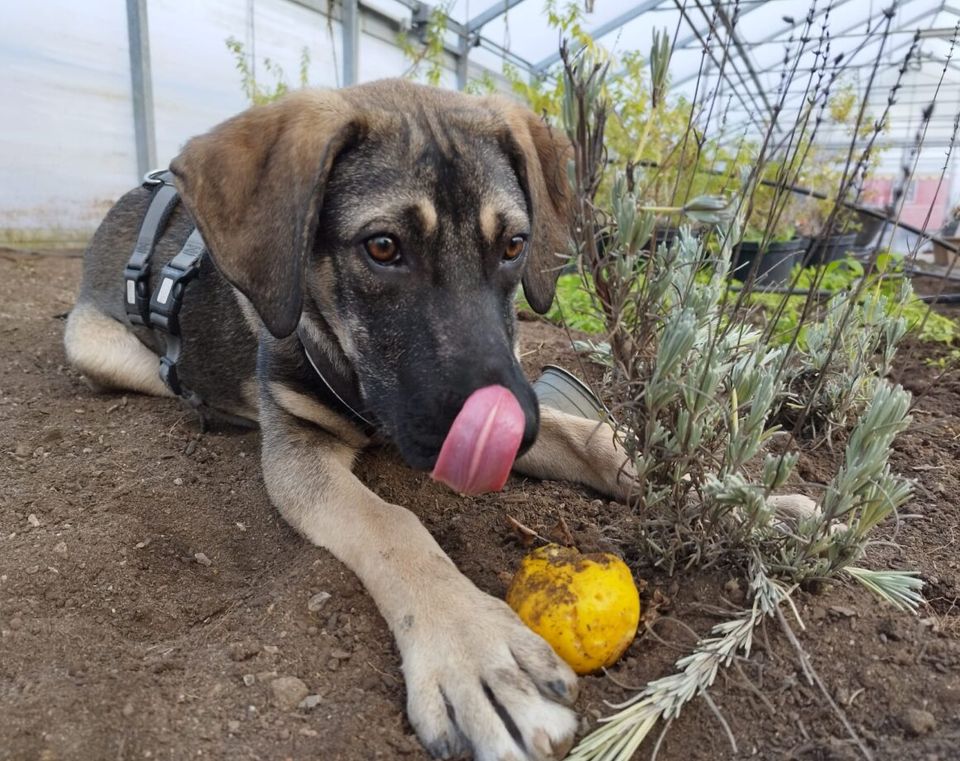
482	444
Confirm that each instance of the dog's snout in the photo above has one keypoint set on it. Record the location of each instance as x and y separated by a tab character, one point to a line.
429	406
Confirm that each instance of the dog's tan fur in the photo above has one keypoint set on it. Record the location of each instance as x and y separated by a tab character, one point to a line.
109	355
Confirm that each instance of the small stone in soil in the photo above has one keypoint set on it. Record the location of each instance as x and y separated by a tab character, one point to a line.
202	559
33	520
917	721
311	701
249	680
288	691
242	651
844	612
316	602
60	548
233	726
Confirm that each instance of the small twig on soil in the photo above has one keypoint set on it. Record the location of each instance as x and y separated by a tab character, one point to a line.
815	679
525	533
656	748
632	687
723	722
662	641
754	689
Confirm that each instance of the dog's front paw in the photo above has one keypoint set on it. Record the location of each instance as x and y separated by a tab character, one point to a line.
480	682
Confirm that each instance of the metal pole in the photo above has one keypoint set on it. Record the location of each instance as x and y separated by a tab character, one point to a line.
462	60
351	41
142	85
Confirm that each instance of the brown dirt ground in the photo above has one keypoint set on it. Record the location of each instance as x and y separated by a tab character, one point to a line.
116	643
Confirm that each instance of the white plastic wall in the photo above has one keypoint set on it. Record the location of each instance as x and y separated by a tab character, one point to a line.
66	127
67	145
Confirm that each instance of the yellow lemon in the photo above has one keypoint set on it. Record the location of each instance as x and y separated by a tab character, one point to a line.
586	606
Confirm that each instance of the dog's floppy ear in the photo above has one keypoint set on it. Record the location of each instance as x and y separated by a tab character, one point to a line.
541	155
254	186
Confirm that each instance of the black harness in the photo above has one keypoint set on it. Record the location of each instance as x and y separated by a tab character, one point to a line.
161	310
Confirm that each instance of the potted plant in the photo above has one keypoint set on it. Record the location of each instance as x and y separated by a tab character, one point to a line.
832	227
767	263
771	247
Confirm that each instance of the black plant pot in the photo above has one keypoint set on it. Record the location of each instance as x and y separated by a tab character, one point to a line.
774	265
829	249
870	228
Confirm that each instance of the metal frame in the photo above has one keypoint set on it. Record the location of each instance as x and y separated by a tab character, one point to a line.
895	49
350	27
352	14
141	83
603	30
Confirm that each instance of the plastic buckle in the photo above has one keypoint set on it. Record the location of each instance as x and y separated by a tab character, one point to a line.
169	375
168	298
136	298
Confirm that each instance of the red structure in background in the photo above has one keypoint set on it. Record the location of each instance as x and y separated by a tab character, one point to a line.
926	194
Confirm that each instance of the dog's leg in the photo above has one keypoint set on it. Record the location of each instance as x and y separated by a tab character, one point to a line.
571	448
477	679
109	355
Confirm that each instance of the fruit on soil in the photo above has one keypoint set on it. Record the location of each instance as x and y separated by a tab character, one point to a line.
586	606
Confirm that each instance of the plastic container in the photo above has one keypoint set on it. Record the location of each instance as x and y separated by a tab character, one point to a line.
775	263
563	391
829	249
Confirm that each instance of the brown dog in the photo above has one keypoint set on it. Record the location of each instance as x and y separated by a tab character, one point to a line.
388	226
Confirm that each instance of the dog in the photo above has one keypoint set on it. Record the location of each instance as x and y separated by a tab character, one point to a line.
389	226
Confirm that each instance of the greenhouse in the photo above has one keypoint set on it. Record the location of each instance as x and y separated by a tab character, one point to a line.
510	380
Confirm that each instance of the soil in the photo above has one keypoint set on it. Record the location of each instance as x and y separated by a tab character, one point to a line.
150	594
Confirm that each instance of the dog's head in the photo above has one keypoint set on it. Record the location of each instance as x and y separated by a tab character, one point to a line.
404	218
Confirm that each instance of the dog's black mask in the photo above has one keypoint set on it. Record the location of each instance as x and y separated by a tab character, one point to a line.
422	241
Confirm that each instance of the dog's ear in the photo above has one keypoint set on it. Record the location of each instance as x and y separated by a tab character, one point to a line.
541	155
254	186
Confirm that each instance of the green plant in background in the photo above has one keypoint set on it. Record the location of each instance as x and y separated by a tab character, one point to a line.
428	50
695	391
257	92
646	134
887	279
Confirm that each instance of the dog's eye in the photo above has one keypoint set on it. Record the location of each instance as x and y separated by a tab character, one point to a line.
515	247
383	249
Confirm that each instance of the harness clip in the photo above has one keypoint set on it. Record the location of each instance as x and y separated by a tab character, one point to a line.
136	297
167	299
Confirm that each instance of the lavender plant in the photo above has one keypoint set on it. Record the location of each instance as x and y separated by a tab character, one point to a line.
696	387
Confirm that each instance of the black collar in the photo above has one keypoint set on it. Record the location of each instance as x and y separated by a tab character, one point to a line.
344	390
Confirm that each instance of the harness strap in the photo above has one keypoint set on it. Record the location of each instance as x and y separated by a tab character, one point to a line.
161	311
165	308
343	388
136	275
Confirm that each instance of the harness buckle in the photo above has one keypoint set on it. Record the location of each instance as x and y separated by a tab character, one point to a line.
169	375
136	296
167	299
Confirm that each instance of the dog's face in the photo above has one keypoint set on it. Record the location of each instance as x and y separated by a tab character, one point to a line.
421	244
404	219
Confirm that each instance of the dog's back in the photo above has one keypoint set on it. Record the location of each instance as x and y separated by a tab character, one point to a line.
218	360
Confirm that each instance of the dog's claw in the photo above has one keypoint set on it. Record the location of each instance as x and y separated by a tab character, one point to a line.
487	683
562	692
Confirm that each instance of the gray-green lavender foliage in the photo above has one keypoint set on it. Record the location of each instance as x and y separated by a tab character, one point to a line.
696	388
